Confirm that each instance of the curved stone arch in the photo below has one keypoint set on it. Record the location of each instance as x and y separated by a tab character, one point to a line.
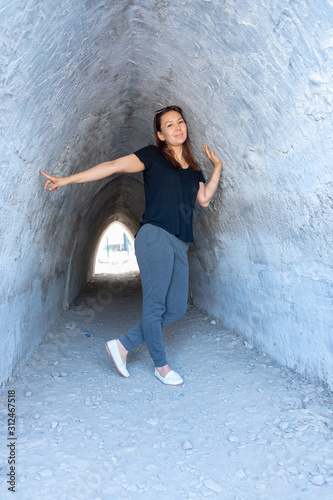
80	86
122	199
110	227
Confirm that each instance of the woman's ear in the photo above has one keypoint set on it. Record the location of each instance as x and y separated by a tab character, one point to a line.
160	136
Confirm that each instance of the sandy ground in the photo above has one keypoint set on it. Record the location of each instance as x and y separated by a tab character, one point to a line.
240	427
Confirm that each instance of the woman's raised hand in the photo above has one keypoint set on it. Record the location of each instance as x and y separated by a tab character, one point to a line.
212	156
53	183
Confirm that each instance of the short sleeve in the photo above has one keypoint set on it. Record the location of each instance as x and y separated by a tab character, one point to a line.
201	177
146	155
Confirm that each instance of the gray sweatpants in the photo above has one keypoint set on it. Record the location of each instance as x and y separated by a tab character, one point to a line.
162	260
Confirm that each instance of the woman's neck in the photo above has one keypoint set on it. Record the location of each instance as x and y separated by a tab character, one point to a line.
178	153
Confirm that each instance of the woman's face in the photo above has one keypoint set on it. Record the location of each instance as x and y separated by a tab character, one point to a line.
173	129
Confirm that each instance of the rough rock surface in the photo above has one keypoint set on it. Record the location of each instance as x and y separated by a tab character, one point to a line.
80	82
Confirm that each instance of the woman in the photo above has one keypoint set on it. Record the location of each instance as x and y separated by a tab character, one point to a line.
173	182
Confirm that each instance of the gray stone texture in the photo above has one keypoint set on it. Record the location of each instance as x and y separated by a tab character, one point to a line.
79	84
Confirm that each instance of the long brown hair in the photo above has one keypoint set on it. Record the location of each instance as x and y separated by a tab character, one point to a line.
167	152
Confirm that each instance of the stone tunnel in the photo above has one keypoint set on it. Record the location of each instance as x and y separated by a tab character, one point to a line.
80	82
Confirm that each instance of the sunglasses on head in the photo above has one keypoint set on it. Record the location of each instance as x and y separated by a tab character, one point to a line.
168	108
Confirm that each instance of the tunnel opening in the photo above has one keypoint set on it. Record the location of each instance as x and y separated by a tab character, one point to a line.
115	251
119	200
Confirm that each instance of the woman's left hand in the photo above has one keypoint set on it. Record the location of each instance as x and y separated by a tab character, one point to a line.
212	156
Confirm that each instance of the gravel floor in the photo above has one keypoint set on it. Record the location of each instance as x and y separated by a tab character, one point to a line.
240	427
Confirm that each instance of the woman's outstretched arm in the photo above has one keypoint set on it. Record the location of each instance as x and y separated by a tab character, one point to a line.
125	164
206	192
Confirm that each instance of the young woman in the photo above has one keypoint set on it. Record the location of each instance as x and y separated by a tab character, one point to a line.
172	182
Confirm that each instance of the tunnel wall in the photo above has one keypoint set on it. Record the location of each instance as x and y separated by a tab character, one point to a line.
255	79
80	84
59	82
263	257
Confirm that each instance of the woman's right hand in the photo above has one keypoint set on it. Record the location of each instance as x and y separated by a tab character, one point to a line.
126	164
53	183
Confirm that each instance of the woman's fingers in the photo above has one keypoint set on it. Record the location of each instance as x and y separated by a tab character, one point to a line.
48	177
208	153
211	155
206	150
51	182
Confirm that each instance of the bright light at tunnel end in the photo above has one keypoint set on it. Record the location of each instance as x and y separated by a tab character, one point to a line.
115	254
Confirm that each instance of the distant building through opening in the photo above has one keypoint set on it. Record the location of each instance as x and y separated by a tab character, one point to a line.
115	253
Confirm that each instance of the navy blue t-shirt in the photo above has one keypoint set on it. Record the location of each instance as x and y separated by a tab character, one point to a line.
170	193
